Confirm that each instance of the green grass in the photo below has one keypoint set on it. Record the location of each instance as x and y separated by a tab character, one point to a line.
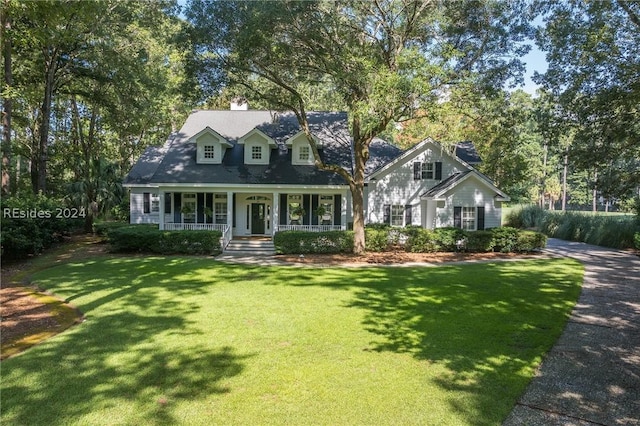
176	340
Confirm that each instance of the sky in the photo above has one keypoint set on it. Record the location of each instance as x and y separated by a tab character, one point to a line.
535	61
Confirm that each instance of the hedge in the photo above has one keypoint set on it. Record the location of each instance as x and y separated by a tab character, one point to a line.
418	240
598	229
149	239
303	242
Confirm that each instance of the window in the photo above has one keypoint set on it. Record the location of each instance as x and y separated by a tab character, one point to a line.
326	208
427	170
469	218
220	208
422	171
209	152
155	203
305	153
150	203
296	211
189	208
397	215
256	153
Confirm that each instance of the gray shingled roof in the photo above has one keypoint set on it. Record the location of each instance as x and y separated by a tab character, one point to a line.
176	161
448	182
466	151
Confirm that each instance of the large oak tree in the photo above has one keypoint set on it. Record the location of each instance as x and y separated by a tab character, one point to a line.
386	60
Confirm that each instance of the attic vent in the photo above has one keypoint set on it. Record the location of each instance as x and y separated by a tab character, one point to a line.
239	104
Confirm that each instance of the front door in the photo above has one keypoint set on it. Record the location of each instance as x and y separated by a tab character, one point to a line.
257	218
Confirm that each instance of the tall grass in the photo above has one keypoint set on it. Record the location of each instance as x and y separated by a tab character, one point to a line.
597	229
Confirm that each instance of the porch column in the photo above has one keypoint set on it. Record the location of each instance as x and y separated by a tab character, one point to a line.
229	208
275	212
344	205
161	210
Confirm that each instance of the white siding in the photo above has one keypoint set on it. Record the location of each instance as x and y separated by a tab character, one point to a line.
256	140
136	208
470	193
397	186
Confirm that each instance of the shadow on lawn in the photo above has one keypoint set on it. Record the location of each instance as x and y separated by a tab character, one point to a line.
489	324
115	355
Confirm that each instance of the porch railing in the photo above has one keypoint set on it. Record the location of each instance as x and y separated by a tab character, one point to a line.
225	229
310	228
195	227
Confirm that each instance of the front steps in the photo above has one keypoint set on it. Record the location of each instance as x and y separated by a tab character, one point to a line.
251	246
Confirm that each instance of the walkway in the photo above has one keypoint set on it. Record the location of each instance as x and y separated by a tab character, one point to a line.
592	374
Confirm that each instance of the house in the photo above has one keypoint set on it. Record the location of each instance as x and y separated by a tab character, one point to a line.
247	172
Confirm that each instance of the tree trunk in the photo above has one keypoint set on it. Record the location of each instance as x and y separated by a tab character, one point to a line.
7	186
594	205
45	121
564	179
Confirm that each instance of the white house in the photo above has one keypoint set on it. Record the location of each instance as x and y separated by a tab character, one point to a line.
251	173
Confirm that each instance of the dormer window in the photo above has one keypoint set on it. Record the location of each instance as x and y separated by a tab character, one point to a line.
210	146
304	153
301	154
257	147
209	152
256	152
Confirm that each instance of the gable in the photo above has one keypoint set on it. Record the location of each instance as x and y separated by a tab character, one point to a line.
257	147
210	146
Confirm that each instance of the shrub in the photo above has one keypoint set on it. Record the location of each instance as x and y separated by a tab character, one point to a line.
447	239
303	242
376	239
479	241
31	224
505	239
636	238
422	241
149	239
529	241
103	228
526	217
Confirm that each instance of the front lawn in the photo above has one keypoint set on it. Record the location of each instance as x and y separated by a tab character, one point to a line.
178	340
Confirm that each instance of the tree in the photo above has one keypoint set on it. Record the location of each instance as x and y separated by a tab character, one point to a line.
385	60
593	50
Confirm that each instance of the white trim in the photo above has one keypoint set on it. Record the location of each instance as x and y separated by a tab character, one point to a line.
501	196
293	138
215	134
271	142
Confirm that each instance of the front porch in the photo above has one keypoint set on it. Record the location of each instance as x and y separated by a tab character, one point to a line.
238	213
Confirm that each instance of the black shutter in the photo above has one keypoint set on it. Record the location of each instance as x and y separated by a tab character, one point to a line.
314	207
386	215
417	170
480	218
457	217
208	202
177	205
233	210
200	208
407	215
283	209
438	170
167	203
146	202
306	205
337	209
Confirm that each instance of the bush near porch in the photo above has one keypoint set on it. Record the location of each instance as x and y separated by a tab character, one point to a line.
380	238
149	239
